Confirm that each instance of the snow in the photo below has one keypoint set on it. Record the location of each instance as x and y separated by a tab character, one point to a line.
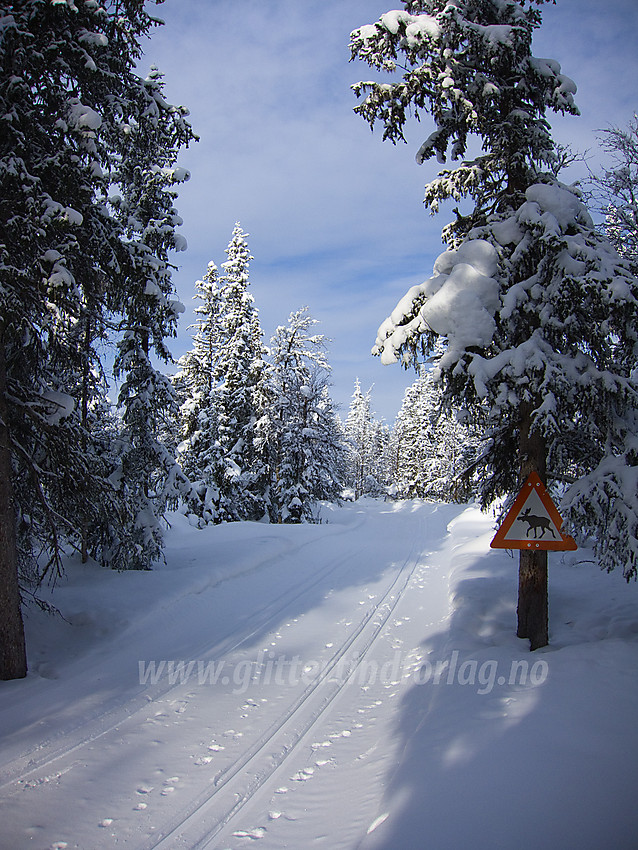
557	201
550	69
94	38
416	27
352	684
82	116
58	406
460	301
422	26
392	20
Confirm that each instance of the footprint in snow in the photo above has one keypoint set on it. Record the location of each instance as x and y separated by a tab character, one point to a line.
260	832
303	775
169	785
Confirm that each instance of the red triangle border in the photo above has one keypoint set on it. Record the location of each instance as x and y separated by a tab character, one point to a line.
533	482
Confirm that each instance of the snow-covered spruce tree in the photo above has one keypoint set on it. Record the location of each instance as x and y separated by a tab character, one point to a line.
414	431
538	311
147	174
195	385
68	95
298	428
362	438
378	477
236	467
434	451
326	469
196	366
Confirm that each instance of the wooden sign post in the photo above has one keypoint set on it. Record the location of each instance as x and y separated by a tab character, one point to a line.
534	526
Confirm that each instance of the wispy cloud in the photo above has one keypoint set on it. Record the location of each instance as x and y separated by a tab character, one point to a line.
335	216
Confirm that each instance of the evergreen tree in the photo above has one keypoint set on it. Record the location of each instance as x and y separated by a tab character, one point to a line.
233	471
147	174
72	103
435	452
378	478
196	372
413	438
195	385
360	431
538	311
299	426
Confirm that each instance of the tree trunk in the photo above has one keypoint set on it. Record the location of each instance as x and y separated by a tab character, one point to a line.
13	658
532	574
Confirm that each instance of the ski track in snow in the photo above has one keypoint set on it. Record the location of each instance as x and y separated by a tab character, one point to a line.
197	827
255	758
68	740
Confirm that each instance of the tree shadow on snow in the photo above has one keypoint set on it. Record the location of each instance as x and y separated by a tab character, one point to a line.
498	747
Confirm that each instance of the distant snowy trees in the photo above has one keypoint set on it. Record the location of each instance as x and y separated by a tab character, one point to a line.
538	311
434	452
367	441
87	155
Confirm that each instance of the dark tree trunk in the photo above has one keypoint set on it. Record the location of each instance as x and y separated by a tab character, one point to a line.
532	573
13	658
86	377
532	598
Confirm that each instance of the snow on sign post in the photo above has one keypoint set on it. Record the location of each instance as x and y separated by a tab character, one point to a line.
533	521
534	526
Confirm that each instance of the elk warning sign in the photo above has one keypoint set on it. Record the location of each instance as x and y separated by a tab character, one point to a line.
533	521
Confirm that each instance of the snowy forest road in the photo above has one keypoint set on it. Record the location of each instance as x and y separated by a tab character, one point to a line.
213	814
108	714
179	730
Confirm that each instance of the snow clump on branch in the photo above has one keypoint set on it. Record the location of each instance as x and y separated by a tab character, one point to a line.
458	301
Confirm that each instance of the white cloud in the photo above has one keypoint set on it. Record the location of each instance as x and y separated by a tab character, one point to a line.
335	216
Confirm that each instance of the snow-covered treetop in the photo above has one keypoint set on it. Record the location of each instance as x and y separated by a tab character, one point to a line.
468	63
237	265
295	347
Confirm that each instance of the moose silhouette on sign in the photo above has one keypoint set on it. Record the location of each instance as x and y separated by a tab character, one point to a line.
536	524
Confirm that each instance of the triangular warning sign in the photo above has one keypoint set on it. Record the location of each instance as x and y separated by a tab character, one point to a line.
533	521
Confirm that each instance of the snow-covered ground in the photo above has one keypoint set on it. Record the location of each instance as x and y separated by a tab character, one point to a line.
353	684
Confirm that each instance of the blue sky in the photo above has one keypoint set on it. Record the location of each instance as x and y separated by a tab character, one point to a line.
335	215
